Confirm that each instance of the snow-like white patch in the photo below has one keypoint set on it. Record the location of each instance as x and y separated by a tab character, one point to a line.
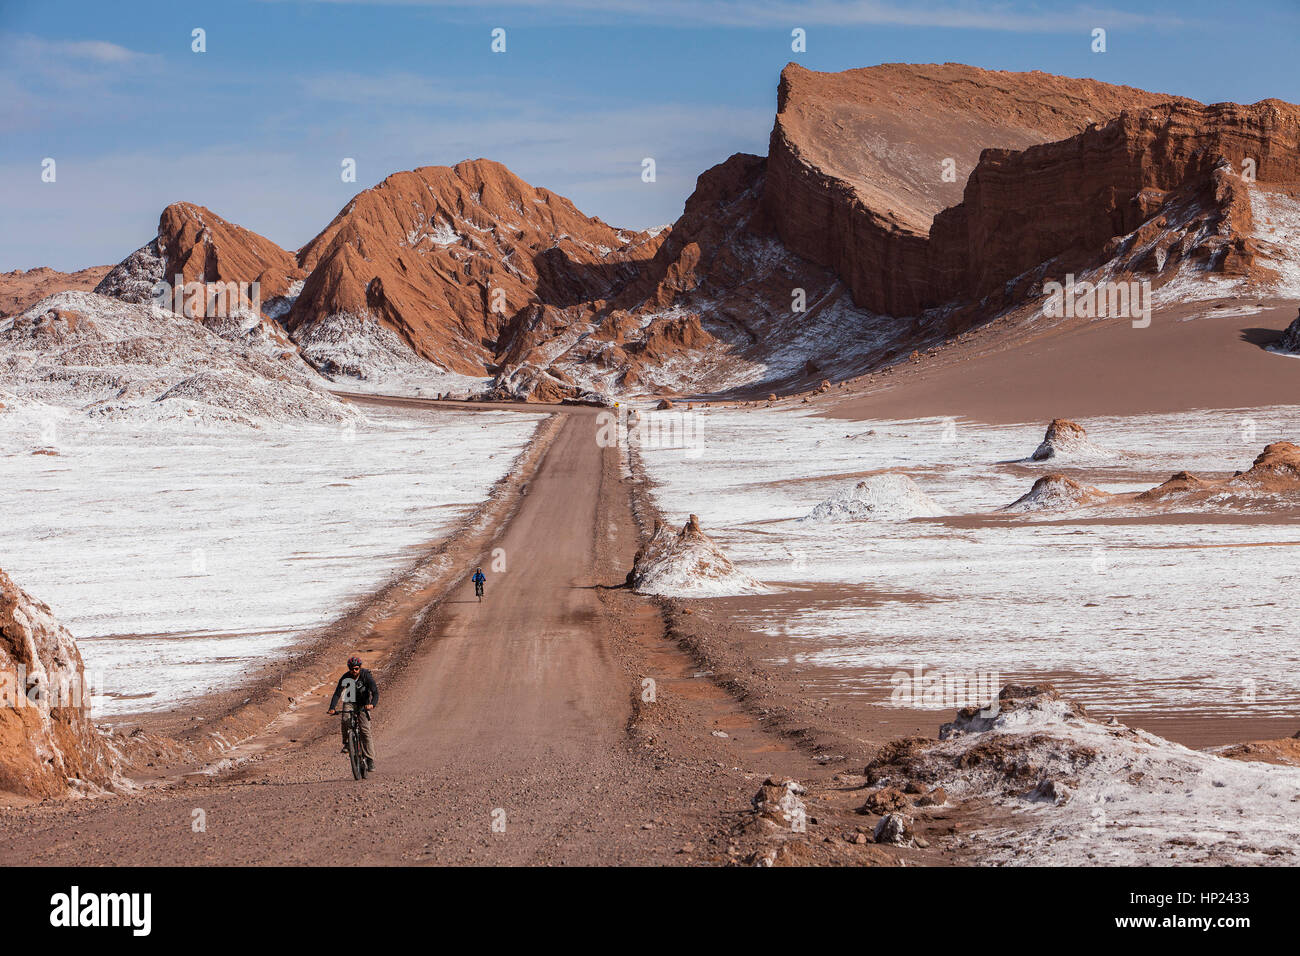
442	234
1276	218
1118	796
891	497
358	353
1029	596
180	554
280	306
1053	493
108	358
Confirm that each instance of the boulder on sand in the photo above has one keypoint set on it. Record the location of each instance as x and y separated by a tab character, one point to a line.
686	563
48	745
1290	340
1064	437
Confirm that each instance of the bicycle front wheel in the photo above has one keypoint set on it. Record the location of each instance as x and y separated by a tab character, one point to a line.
354	754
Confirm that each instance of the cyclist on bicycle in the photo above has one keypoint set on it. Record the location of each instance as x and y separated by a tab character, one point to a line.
363	694
478	582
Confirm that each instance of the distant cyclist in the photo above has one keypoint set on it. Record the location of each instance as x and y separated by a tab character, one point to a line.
358	689
478	583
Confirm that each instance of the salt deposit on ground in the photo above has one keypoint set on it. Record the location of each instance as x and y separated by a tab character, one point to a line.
360	355
1088	793
180	553
1144	615
100	357
885	497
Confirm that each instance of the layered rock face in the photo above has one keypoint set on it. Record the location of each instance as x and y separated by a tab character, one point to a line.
857	159
1062	203
48	744
1054	170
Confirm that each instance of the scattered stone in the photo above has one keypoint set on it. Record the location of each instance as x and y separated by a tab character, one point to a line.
894	829
778	801
883	801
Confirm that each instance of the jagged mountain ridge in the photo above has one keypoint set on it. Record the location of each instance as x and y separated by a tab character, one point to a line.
844	249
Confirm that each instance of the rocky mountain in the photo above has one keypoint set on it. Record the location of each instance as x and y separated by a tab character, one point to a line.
857	160
455	259
24	287
898	205
199	246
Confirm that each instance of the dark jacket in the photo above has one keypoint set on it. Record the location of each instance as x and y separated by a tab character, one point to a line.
367	691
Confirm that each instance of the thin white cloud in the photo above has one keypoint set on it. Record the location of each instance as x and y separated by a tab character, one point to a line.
1004	16
390	90
29	48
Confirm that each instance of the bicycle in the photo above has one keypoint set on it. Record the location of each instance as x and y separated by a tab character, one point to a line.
478	591
352	721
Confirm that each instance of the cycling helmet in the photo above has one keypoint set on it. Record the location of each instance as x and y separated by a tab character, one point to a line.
354	662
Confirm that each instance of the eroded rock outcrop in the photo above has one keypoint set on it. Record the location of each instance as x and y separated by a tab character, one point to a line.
1290	338
1047	171
857	161
1105	793
1056	492
1275	471
1065	438
48	744
686	563
196	244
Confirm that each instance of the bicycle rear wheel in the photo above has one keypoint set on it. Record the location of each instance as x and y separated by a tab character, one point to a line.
354	753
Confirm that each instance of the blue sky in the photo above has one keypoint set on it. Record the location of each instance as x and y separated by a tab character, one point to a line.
256	127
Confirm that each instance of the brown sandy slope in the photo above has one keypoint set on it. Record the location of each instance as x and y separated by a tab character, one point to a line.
1001	374
529	703
21	288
